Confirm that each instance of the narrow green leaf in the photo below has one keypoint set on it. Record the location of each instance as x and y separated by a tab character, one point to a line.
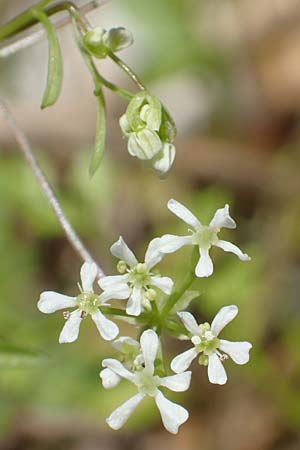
55	62
100	133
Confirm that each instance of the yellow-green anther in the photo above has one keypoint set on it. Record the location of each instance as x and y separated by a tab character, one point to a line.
121	267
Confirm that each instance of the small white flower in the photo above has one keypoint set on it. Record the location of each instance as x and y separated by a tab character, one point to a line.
138	277
206	341
132	359
147	383
86	303
203	236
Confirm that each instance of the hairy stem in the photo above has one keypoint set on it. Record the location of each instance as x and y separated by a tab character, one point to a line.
25	148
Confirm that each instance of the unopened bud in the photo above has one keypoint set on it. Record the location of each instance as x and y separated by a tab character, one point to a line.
116	39
151	295
121	267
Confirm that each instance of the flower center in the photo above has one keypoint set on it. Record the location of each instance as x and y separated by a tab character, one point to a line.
146	382
88	302
139	275
205	238
206	342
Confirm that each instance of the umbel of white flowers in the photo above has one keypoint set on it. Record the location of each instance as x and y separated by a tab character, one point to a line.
202	236
137	281
213	351
86	303
148	384
150	132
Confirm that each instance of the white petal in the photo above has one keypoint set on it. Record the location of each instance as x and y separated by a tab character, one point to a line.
184	214
223	317
120	292
177	383
125	341
165	158
189	322
216	371
165	284
238	351
222	219
153	254
121	250
172	415
229	247
134	304
183	361
149	345
71	329
109	378
88	274
170	243
205	266
107	329
113	281
118	368
120	415
144	144
50	302
125	127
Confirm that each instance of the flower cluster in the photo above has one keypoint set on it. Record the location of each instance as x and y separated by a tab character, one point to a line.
150	132
152	305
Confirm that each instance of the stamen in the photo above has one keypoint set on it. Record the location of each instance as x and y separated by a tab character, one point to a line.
66	315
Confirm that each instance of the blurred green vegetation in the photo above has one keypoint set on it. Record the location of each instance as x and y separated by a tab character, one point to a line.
40	377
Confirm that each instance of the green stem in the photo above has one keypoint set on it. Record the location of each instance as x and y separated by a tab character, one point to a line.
28	18
114	311
186	283
127	70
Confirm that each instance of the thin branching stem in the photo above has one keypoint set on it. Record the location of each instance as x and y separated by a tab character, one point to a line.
34	37
27	152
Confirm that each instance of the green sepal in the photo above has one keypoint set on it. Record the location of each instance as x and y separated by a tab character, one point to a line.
133	109
168	128
55	62
100	133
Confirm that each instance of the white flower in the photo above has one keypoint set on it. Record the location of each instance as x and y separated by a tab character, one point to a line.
206	341
147	383
132	359
203	236
86	303
138	277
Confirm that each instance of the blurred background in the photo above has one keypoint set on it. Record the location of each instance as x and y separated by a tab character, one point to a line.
229	71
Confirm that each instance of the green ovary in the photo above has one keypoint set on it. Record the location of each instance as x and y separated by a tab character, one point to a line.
88	302
208	346
147	383
205	238
139	275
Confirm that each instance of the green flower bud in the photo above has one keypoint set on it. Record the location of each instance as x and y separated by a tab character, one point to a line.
94	42
151	295
121	267
203	360
116	39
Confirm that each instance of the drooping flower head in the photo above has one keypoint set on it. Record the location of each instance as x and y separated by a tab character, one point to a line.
150	131
202	236
137	276
86	303
212	350
148	383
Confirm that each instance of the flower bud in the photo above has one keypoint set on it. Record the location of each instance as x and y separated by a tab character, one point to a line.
165	158
94	42
121	267
116	39
144	144
151	295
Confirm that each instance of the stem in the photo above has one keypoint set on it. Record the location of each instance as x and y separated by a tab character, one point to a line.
186	283
128	71
46	187
36	36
